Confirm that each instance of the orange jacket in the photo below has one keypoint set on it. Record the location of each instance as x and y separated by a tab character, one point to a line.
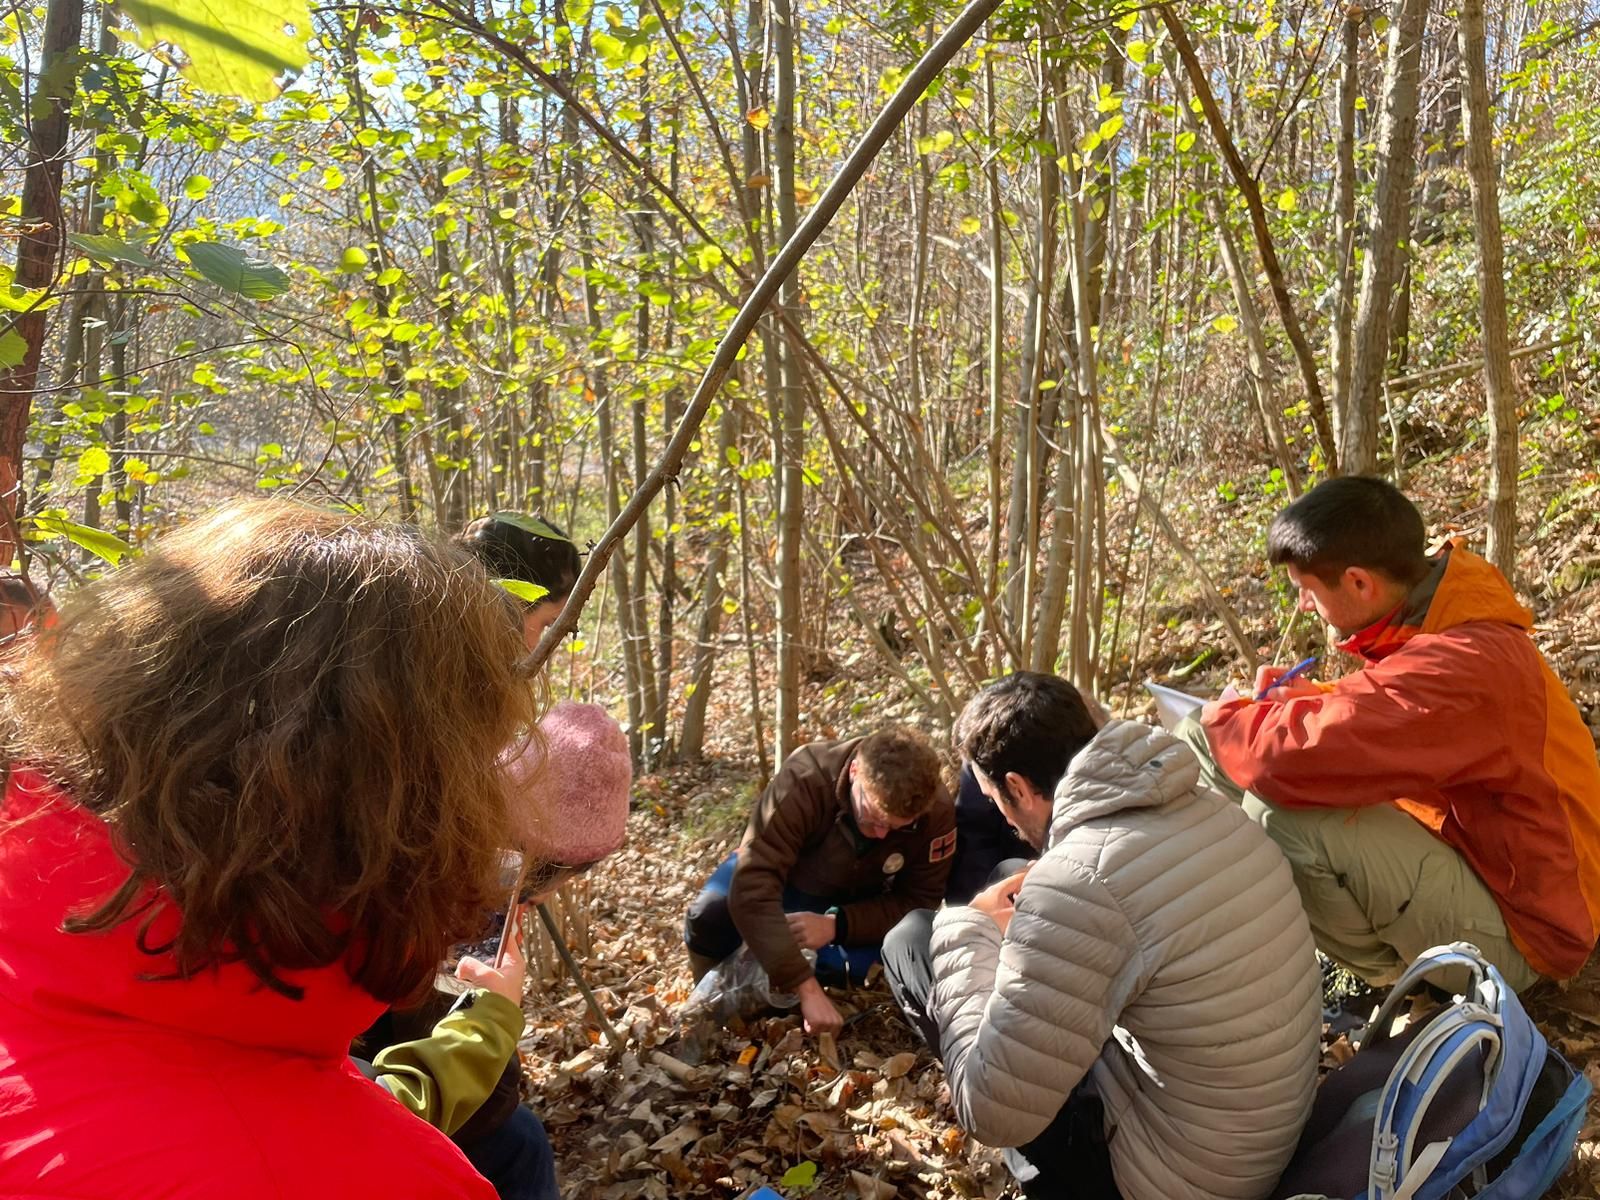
1457	719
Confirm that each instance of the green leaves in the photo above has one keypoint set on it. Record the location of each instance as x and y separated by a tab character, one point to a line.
531	525
106	249
353	259
233	47
802	1177
230	269
12	348
522	590
97	542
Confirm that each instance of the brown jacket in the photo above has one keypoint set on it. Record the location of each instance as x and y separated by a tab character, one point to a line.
802	835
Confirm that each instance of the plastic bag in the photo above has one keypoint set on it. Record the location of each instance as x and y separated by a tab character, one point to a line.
738	986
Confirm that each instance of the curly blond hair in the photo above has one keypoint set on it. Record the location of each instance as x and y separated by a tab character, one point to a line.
289	718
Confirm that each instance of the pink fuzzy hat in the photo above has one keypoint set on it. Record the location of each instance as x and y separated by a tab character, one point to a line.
569	796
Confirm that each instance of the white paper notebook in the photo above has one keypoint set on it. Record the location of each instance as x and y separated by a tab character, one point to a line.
1172	706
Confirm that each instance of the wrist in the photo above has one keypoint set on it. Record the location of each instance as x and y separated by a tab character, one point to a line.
837	926
809	988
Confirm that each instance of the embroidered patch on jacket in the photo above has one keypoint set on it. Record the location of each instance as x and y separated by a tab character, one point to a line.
942	847
893	863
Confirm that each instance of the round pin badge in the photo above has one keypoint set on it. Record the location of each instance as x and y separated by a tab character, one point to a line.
893	863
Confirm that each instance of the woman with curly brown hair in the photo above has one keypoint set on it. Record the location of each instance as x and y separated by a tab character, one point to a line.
250	801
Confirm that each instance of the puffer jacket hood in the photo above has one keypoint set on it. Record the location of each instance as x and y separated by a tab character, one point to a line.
115	1082
1127	766
1159	954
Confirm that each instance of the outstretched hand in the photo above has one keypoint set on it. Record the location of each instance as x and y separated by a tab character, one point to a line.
506	976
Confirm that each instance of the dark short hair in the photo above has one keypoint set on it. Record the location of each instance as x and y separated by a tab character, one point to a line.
901	768
529	549
1028	722
15	593
1352	521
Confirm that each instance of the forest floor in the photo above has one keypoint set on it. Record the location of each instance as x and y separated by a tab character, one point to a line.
684	1110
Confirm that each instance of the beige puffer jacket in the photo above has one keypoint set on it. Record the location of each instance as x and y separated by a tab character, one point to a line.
1158	946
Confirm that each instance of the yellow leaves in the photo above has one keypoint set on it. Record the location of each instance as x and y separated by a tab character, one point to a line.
1226	323
1288	200
93	462
804	193
759	118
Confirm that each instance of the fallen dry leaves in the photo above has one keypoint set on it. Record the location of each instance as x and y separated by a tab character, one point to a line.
697	1111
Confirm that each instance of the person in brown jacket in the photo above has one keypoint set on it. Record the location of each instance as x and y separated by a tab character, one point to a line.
848	838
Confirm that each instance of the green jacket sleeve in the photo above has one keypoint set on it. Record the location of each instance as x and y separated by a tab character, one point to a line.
443	1078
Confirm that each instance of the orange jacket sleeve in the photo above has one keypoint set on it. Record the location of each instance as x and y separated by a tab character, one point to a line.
1408	725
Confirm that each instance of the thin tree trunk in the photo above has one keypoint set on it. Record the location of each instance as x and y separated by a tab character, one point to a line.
396	357
1264	374
1499	387
1022	525
911	87
692	728
1244	179
791	447
997	328
1391	224
746	592
41	227
1344	214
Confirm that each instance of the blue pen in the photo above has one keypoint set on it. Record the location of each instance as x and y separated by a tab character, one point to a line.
1294	672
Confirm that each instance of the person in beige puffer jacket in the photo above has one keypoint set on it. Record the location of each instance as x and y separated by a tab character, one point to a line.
1138	1011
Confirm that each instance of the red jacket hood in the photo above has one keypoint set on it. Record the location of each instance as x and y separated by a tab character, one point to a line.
59	861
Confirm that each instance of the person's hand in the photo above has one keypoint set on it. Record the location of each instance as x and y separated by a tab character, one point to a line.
506	977
812	931
816	1010
999	901
1298	686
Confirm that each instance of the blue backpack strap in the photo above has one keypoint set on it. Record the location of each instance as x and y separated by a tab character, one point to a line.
1548	1148
1397	1168
1487	988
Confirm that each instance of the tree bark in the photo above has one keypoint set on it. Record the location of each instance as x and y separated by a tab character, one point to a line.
1391	223
927	68
703	658
1344	214
42	226
1244	179
997	328
1499	388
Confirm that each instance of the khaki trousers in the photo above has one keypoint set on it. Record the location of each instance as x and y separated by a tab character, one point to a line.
1378	887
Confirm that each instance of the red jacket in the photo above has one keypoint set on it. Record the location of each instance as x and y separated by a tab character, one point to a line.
1457	720
121	1087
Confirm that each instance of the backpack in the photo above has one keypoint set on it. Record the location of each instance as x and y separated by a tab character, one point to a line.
1469	1101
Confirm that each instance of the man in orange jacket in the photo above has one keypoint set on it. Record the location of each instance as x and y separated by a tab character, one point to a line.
1446	791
